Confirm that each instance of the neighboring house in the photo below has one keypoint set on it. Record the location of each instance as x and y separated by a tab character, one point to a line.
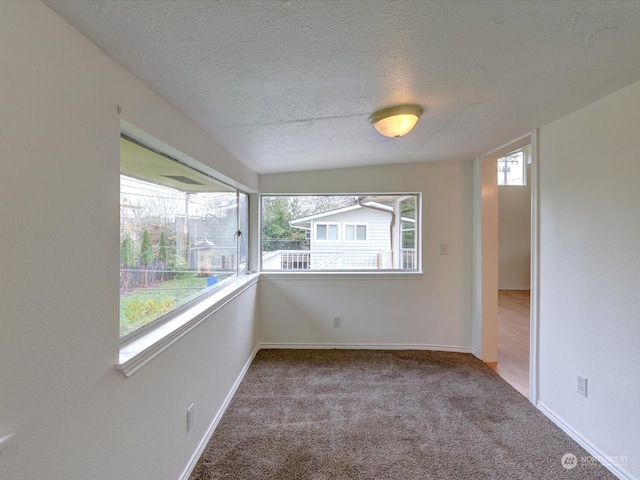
355	237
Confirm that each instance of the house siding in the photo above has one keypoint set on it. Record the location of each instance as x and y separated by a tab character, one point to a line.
378	231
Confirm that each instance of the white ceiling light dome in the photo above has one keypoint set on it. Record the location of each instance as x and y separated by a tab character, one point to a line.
396	121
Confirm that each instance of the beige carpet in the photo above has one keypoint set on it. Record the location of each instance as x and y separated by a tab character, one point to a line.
371	414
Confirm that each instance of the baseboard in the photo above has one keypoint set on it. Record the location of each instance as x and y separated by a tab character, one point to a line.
367	346
606	460
517	287
205	440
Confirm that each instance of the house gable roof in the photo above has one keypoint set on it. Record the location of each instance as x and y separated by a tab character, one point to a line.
305	222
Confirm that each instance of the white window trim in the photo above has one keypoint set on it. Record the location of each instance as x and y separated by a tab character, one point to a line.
315	231
144	348
355	225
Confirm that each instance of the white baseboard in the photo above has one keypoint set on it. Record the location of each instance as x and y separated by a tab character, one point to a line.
367	346
595	452
205	440
517	287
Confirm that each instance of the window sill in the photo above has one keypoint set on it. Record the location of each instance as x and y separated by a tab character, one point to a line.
137	353
356	275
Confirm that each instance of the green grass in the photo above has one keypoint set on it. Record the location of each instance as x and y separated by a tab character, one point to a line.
147	304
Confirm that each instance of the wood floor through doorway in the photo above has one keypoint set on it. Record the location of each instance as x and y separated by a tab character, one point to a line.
513	339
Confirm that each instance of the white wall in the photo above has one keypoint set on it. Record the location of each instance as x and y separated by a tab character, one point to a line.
433	310
590	272
514	236
74	416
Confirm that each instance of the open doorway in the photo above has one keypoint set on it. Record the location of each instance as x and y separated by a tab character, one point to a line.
514	267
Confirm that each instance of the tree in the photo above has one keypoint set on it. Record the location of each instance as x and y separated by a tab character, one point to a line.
277	216
163	253
278	212
127	260
146	255
176	265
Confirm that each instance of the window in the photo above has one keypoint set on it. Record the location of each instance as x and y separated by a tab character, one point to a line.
512	168
355	232
182	235
326	232
340	232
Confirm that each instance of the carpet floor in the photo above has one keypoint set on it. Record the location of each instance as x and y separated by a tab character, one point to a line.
372	414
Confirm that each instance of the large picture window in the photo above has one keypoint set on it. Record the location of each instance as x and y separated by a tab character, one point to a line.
182	235
340	232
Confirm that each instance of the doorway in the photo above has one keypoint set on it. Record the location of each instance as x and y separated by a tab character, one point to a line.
513	317
514	267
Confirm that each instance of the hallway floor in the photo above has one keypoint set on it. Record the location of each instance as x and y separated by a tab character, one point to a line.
513	339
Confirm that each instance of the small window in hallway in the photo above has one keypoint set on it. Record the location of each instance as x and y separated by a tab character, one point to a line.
512	168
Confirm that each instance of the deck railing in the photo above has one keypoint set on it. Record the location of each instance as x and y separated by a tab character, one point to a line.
409	259
334	260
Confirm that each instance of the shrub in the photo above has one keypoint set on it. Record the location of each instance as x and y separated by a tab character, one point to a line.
176	265
139	311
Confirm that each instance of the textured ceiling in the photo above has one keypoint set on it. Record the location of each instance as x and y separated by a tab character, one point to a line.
288	85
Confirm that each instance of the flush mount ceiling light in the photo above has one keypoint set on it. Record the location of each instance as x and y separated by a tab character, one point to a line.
396	121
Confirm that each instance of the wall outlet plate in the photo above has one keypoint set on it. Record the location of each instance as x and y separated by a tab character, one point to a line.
582	385
189	417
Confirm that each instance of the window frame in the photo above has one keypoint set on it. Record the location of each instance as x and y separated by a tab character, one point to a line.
525	161
209	291
327	224
355	226
397	273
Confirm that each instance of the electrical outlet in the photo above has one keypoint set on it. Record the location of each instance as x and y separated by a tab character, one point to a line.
444	249
336	321
189	417
582	385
